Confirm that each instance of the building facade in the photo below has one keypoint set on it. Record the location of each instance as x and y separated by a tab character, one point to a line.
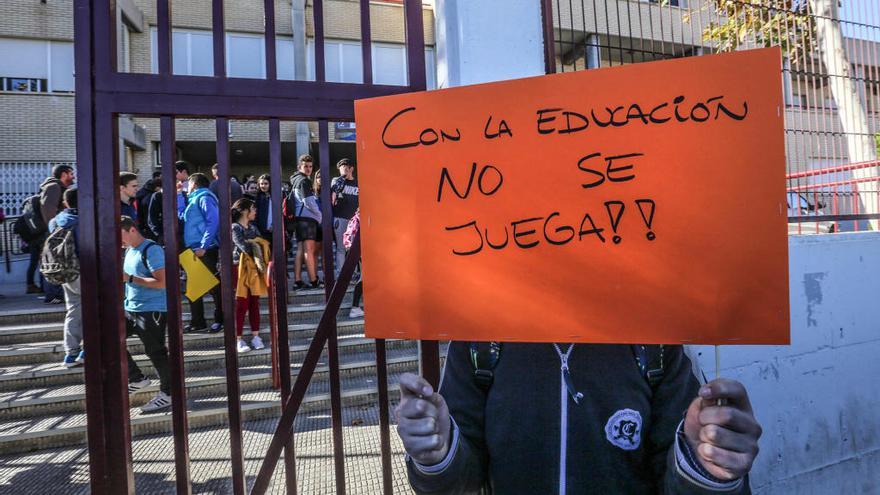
37	90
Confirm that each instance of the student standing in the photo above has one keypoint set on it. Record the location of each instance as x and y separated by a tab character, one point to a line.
345	202
248	290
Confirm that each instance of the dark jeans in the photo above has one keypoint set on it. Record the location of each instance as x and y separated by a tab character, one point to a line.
52	291
197	307
34	248
150	327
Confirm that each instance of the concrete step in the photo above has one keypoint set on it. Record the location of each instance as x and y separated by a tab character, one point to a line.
68	430
53	352
71	399
53	374
54	313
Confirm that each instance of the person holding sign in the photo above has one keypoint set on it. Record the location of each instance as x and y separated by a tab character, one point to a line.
566	418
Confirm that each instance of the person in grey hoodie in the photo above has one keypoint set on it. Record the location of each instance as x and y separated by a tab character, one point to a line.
566	418
308	223
73	332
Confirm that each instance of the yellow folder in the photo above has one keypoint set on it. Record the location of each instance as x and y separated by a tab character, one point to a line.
199	280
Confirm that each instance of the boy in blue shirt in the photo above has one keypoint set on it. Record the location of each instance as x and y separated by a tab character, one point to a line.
143	273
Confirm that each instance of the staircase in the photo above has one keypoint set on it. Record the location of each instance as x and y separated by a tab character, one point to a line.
42	403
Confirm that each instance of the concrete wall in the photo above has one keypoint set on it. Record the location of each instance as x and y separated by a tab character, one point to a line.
817	399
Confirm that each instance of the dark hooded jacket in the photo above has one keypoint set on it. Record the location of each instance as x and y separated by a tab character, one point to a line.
527	435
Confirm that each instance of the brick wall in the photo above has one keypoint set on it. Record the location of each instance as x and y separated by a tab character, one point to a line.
37	127
52	20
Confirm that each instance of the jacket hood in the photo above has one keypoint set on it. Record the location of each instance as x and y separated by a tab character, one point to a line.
67	218
49	181
198	193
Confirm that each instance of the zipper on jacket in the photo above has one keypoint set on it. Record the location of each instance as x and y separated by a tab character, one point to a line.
566	389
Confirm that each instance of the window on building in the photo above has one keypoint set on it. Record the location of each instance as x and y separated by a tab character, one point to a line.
35	66
344	63
193	54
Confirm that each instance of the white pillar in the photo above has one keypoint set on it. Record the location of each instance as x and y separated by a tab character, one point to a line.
593	57
300	69
475	45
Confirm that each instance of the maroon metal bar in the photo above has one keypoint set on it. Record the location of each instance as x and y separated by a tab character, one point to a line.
111	327
284	429
366	42
384	420
100	466
132	84
273	326
549	37
163	36
218	37
279	295
332	344
233	389
245	107
415	45
429	361
269	13
318	16
174	318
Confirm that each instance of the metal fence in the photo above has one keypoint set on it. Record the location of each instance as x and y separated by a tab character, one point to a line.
832	116
102	95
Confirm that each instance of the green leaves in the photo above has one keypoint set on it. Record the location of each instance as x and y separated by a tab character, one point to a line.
760	23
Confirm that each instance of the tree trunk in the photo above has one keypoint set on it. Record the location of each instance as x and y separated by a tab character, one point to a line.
860	143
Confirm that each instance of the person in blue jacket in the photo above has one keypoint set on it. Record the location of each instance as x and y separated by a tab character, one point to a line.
199	213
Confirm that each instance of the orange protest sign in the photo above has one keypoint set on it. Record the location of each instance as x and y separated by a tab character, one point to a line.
635	204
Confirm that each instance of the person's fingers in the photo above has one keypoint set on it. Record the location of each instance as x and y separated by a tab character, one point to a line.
730	418
692	423
723	463
412	385
418	427
721	437
419	445
732	391
417	409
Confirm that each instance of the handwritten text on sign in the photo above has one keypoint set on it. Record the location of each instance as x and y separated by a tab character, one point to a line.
638	204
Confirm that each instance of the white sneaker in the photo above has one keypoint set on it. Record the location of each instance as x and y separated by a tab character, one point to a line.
159	402
355	312
243	347
136	386
257	343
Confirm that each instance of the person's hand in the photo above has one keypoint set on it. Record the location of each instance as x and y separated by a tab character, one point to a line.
422	420
124	276
199	252
723	437
180	186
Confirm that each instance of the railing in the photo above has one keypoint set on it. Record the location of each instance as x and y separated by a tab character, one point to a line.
834	199
10	243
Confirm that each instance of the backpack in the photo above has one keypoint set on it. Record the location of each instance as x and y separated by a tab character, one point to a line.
485	357
30	225
59	262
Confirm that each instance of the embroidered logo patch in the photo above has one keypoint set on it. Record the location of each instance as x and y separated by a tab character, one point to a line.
624	429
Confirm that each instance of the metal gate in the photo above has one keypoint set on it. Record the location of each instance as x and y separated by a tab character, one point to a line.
103	94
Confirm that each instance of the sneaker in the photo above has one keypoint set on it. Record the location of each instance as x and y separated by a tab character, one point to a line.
71	361
33	289
137	385
159	402
194	328
243	347
299	285
257	343
356	312
81	359
317	284
216	327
